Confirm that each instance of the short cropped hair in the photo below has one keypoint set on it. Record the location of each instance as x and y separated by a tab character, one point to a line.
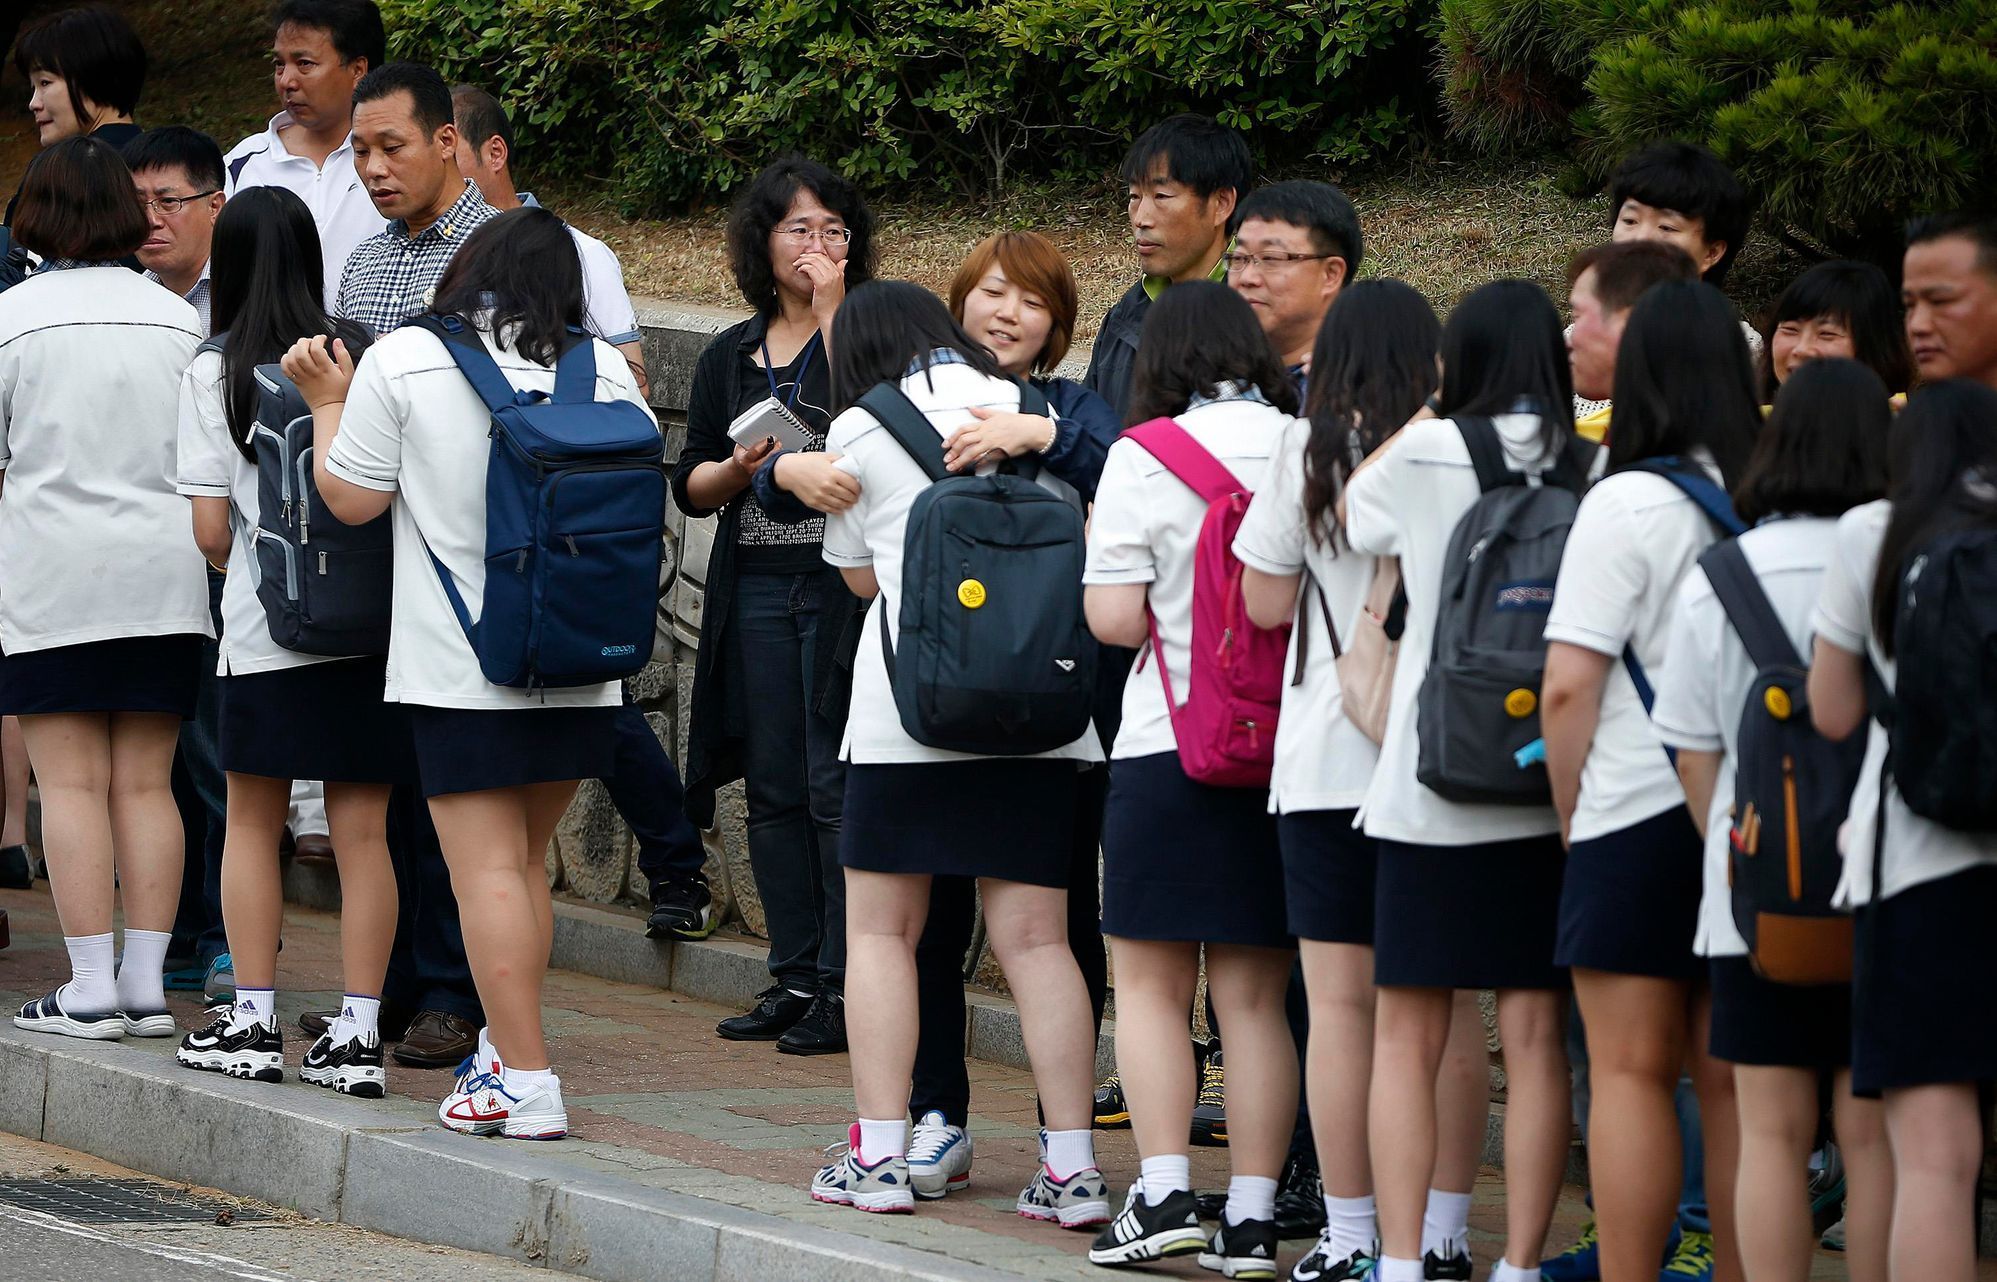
1979	229
94	50
1624	269
1317	207
190	151
353	26
1692	180
428	93
78	203
1198	151
480	117
1030	261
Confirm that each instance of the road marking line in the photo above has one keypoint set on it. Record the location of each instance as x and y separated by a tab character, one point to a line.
226	1264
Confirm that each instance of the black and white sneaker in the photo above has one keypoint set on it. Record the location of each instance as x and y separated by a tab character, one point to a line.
354	1067
1455	1267
1244	1250
148	1023
1322	1264
1142	1232
254	1051
46	1015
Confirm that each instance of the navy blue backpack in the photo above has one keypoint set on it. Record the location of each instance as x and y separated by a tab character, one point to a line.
575	508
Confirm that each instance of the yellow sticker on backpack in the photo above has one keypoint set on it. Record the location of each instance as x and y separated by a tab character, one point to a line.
971	594
1521	702
1776	699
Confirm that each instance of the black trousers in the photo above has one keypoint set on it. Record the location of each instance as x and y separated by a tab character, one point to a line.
646	789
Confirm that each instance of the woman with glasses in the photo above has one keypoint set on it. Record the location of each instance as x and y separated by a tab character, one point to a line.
770	688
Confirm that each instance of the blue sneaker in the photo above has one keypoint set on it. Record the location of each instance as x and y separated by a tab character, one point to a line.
1581	1262
218	987
1690	1260
185	979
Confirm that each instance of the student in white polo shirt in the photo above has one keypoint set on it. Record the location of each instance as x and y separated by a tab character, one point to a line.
105	606
320	49
1822	452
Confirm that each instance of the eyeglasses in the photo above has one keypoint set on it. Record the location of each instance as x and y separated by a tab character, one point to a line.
171	205
1276	260
828	237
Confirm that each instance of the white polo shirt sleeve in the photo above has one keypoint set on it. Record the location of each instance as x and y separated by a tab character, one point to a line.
368	449
608	313
1603	576
205	453
1372	498
1844	604
1687	712
1271	536
1120	550
846	532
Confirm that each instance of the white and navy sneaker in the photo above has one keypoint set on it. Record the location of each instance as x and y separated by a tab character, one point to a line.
485	1105
1246	1250
1455	1267
939	1157
254	1050
1142	1232
148	1023
1322	1264
882	1188
354	1067
46	1015
1079	1202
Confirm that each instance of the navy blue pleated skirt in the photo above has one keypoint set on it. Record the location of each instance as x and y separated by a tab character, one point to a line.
473	749
1479	916
1758	1021
1330	871
1187	862
1007	818
322	721
1630	904
1924	968
126	674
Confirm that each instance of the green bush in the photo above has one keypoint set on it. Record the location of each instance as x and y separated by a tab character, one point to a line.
675	102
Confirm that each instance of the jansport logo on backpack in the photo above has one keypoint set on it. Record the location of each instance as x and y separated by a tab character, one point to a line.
1943	732
1792	788
1226	728
575	507
995	655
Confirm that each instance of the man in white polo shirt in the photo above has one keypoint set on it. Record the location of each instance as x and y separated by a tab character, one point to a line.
319	52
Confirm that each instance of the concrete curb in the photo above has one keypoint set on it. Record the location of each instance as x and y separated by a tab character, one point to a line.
339	1160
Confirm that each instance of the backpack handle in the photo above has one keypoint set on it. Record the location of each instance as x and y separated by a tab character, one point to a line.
1746	605
1171	444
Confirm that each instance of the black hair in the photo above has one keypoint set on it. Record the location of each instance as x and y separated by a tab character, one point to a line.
1372	367
77	202
1317	207
1942	477
94	50
1859	295
886	326
1197	336
1684	381
178	147
266	274
480	117
764	203
1690	179
429	96
1503	350
523	270
1979	229
352	26
1823	450
1198	151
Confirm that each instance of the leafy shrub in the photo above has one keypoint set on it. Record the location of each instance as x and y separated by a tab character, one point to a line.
670	101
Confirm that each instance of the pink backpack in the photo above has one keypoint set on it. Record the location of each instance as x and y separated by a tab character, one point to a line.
1227	726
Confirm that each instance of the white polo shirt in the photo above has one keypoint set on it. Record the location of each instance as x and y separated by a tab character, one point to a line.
607	309
94	543
332	191
413	427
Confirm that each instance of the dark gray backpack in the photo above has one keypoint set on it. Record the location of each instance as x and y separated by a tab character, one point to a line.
1479	702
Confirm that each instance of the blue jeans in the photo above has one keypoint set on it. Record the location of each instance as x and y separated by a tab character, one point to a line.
202	793
793	778
1692	1214
646	790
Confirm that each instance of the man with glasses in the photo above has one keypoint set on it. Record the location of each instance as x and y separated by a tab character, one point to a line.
1296	244
178	172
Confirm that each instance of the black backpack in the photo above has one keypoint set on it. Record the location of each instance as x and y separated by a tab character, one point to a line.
996	657
1943	730
1792	789
1478	710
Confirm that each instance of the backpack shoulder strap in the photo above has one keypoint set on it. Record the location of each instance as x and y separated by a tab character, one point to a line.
213	343
1700	488
1165	440
1032	400
909	426
1487	453
1747	608
575	371
474	361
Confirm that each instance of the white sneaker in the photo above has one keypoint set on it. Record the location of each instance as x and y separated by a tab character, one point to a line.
939	1157
484	1105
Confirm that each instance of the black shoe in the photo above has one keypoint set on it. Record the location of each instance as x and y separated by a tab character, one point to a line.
354	1067
1112	1109
254	1051
1318	1265
17	870
1300	1198
681	909
821	1031
1454	1269
777	1010
1244	1250
1210	1109
1142	1232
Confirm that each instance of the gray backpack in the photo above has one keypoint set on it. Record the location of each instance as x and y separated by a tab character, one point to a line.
1479	702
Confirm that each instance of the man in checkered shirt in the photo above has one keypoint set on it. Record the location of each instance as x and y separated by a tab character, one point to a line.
405	148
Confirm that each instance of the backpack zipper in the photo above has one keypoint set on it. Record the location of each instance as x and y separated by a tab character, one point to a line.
1794	838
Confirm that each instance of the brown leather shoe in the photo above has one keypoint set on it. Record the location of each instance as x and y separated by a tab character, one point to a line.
436	1040
313	846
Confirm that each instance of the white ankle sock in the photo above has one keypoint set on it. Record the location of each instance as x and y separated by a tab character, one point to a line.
1389	1269
879	1139
1066	1152
140	970
1163	1176
92	988
521	1080
358	1017
1506	1271
1354	1224
1250	1197
254	1006
1445	1223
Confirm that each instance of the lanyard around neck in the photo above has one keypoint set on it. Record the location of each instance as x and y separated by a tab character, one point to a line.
797	384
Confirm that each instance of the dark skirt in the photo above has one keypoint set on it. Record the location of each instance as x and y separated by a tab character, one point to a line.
1924	969
473	749
127	674
1630	902
1007	818
1478	916
322	721
1183	861
1758	1021
1329	874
